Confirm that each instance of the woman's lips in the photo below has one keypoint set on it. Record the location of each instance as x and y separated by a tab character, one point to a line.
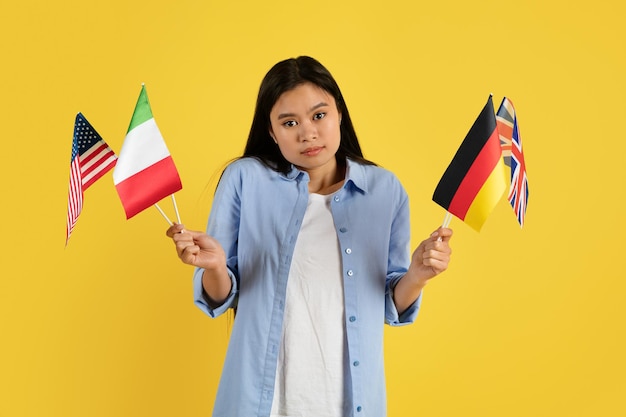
312	151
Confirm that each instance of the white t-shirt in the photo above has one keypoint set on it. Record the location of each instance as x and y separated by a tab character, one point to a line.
311	363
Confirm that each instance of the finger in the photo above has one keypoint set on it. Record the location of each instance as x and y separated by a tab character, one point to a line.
436	235
443	246
181	240
186	246
436	245
174	229
189	254
437	250
437	265
443	233
434	255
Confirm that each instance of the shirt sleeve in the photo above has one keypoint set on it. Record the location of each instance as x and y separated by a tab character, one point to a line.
201	302
393	317
399	260
223	225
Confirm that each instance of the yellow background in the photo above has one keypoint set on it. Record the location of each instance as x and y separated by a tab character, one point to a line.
526	322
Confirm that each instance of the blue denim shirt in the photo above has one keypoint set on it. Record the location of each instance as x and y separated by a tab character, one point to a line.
256	216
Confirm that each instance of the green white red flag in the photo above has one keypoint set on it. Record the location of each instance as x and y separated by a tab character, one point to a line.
145	172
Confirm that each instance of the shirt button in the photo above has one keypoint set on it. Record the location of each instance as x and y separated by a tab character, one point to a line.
348	251
356	363
350	273
358	409
336	198
352	318
343	230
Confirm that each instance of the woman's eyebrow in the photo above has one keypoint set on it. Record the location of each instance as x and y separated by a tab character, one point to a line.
317	106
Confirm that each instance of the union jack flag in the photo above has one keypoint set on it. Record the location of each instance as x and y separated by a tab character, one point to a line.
91	159
511	143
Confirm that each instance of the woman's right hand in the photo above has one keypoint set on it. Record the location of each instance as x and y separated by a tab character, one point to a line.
197	248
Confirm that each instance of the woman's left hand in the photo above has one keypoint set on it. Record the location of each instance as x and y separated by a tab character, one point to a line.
432	256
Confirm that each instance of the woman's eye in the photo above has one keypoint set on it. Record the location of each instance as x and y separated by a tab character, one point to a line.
319	116
289	123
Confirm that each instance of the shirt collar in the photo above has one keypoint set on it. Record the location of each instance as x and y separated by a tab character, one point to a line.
294	173
355	174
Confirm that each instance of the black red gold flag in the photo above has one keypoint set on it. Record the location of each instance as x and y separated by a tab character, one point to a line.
475	180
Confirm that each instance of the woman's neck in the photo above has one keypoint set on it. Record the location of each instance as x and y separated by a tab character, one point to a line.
328	182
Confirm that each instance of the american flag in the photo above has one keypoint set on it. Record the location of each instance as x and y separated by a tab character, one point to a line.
91	159
511	143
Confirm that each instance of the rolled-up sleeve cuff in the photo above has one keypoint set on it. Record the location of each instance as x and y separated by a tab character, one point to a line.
200	300
393	318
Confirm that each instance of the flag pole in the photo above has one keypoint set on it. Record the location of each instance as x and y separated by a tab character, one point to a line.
446	222
447	219
176	209
163	214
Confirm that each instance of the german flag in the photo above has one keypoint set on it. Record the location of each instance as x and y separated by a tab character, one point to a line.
475	180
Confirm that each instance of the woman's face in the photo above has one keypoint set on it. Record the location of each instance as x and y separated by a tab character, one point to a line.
305	125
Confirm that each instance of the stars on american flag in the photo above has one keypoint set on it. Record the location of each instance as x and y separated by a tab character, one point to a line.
86	136
96	158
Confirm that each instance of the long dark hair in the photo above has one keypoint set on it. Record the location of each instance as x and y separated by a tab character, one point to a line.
284	76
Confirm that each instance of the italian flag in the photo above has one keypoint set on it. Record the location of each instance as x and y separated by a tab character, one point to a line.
475	180
145	172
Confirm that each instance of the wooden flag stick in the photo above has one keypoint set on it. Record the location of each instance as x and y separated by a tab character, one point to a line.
447	219
176	209
163	214
446	222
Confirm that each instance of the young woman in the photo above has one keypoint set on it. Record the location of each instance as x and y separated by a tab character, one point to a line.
309	242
